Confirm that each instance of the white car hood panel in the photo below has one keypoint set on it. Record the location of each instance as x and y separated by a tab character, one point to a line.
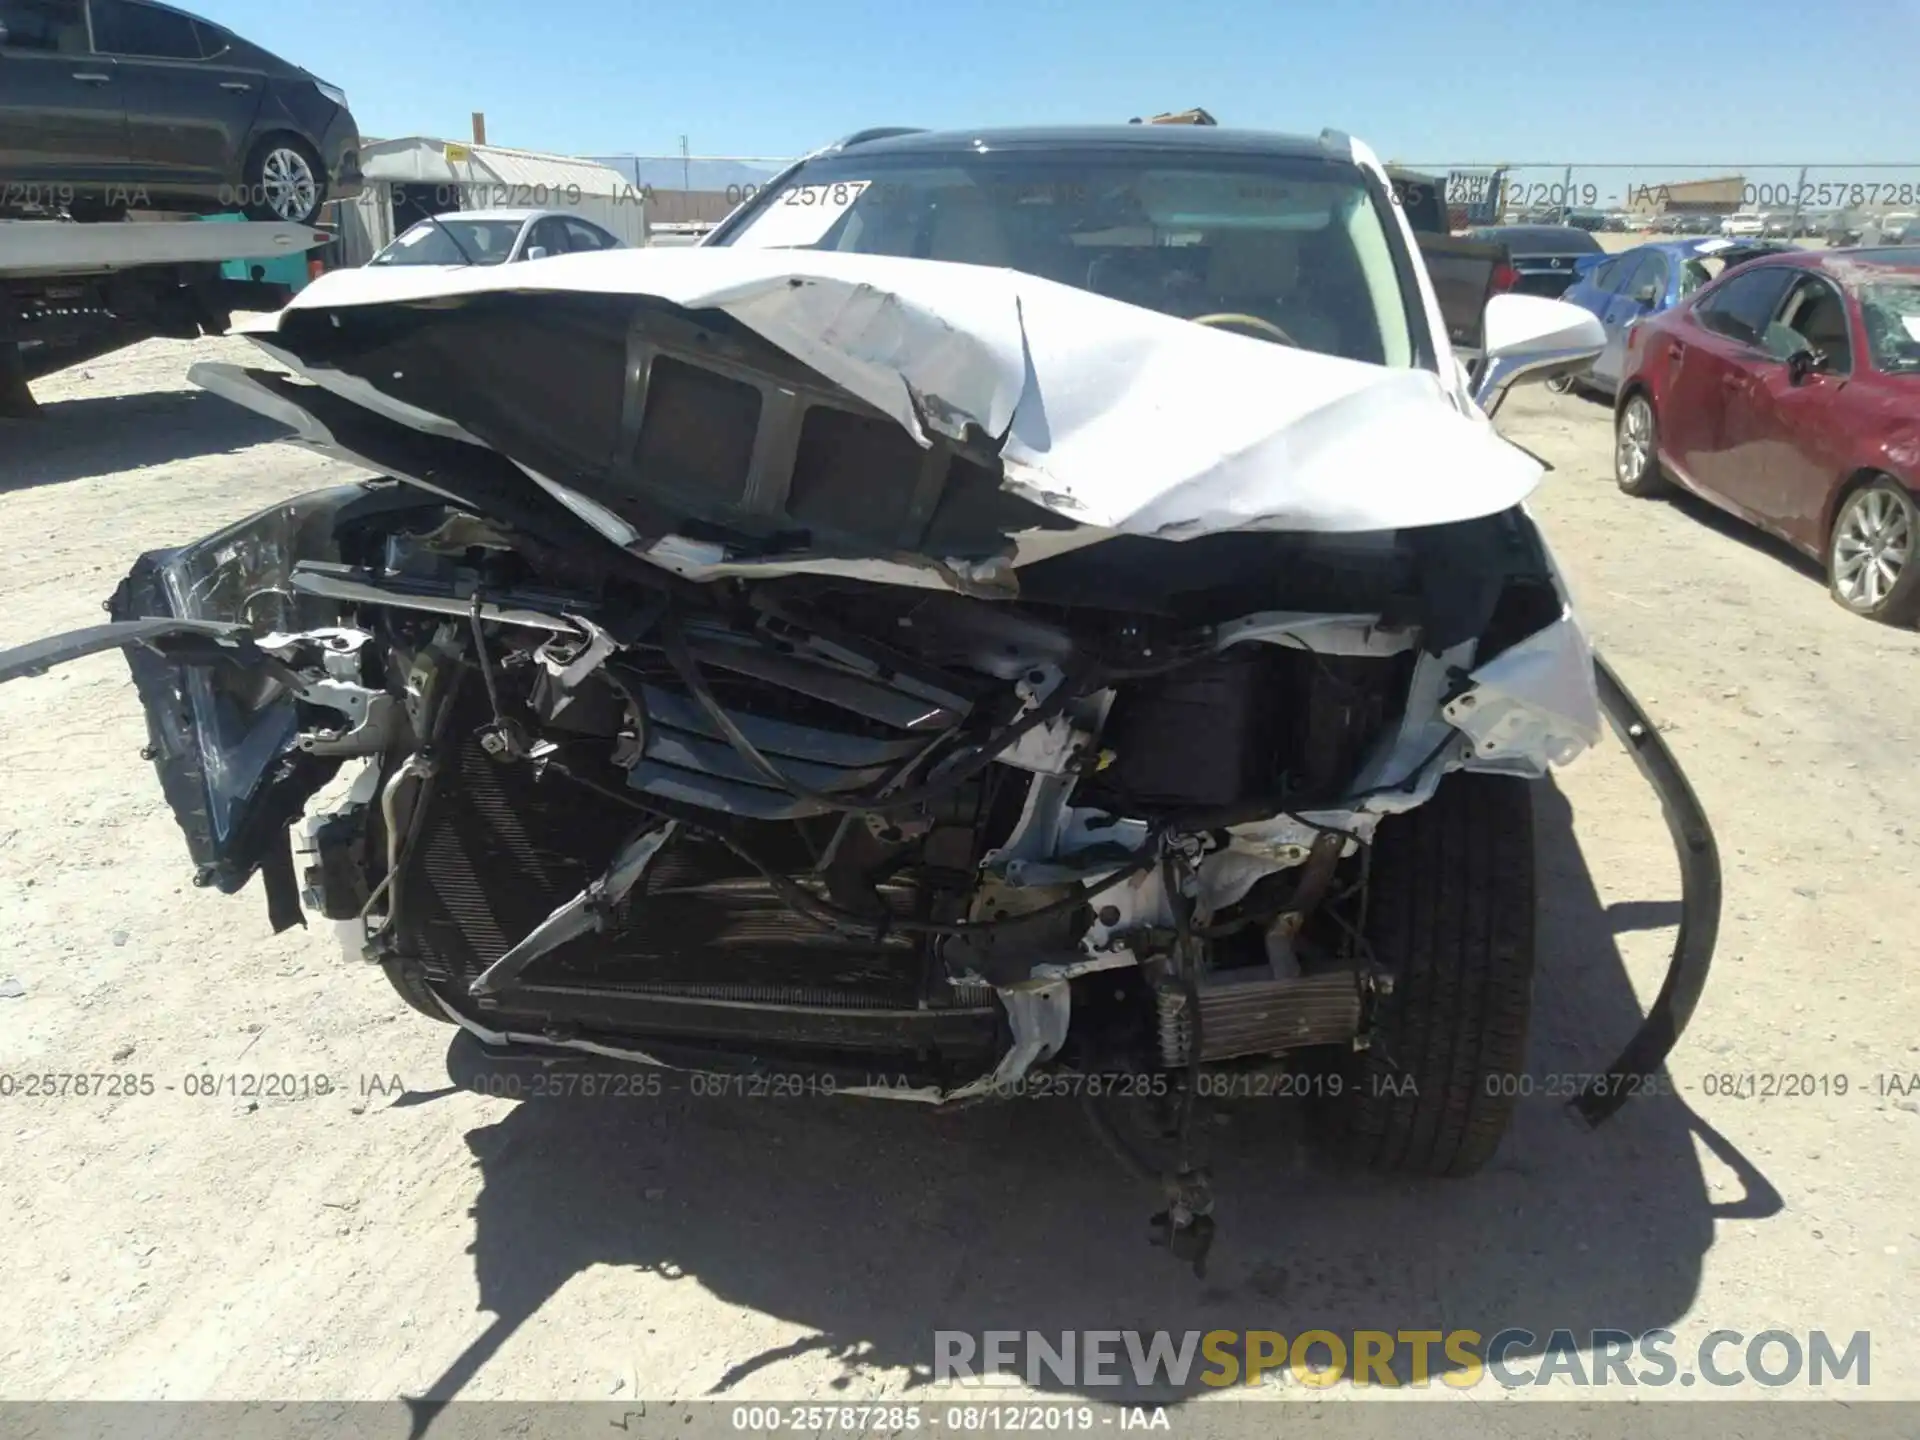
1116	417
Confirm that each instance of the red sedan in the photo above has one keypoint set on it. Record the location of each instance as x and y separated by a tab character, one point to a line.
1787	393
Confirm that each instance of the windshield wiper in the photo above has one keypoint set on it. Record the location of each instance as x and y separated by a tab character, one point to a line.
447	230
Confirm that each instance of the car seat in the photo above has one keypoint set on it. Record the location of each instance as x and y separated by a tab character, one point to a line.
966	229
1822	321
1258	272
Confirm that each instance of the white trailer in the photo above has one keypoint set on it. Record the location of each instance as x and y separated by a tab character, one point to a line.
70	292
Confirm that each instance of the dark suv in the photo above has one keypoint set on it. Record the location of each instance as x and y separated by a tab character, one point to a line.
111	105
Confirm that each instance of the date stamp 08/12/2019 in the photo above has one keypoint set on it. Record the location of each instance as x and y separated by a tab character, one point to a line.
579	1082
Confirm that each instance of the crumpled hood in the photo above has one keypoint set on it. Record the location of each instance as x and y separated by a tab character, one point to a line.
1109	415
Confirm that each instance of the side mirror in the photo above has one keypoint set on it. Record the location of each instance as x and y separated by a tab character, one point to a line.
1803	363
1534	339
1647	294
535	252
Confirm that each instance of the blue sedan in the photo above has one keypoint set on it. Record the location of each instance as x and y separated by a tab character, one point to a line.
1622	290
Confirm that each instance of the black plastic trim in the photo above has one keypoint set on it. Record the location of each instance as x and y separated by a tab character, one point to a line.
1700	898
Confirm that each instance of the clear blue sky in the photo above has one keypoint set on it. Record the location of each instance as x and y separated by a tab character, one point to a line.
1755	81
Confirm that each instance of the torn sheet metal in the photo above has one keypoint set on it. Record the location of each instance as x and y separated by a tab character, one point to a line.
1039	1013
1532	706
1534	703
1115	417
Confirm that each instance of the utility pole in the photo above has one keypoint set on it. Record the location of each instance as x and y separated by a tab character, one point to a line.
479	127
685	166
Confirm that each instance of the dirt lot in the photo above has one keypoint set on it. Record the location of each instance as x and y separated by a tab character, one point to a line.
404	1235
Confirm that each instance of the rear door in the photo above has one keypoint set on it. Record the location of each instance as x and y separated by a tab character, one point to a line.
1627	304
61	118
190	104
1706	419
1598	282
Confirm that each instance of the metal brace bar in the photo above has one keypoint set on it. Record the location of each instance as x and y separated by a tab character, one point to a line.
582	915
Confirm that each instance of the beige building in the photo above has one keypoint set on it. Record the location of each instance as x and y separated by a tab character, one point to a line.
693	207
1721	196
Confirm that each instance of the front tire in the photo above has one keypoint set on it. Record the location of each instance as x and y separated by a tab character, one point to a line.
1873	555
1636	448
284	180
1450	916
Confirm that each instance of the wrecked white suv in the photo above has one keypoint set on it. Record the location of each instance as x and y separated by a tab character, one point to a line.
1009	605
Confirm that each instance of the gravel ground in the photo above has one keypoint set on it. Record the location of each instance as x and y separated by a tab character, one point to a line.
403	1235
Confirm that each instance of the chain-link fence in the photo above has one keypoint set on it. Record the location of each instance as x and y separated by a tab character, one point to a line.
1830	202
1837	203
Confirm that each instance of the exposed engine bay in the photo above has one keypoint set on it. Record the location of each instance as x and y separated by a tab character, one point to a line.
856	752
748	665
885	830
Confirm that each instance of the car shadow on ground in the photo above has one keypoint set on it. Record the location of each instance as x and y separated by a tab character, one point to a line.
101	435
871	1224
1752	536
1720	522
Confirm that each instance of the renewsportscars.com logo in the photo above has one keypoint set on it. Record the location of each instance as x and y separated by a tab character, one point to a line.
1393	1358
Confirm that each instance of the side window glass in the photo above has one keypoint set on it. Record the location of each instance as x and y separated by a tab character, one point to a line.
121	27
581	236
213	40
1741	308
1643	271
56	27
1608	276
547	235
1815	318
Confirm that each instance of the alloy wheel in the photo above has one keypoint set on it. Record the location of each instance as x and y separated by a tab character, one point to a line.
1633	446
287	184
1872	546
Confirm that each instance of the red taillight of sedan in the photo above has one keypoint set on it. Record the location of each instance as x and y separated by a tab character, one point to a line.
1505	277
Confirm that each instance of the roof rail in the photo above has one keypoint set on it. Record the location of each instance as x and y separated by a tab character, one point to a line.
877	132
1338	141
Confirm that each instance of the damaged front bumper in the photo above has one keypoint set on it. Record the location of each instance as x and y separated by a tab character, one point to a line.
655	473
255	693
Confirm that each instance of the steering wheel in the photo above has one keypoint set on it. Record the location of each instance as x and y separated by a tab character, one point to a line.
1250	322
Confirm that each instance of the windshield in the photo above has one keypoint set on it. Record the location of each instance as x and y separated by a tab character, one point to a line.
1891	311
486	242
1297	246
